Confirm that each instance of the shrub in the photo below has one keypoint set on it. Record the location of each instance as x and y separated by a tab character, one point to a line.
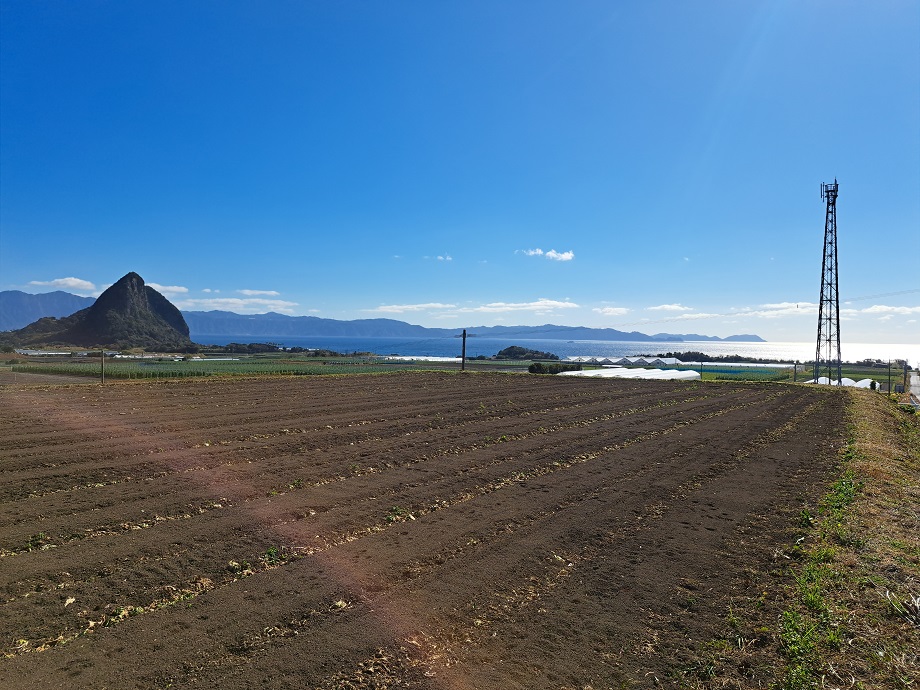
541	368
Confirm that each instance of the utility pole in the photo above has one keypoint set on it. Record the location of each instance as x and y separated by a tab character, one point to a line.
463	353
828	348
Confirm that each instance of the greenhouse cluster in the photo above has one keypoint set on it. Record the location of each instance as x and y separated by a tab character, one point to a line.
663	374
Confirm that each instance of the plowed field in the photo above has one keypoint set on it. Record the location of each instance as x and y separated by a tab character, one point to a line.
408	530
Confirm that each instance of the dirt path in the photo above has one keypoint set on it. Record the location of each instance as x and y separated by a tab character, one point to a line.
408	530
18	378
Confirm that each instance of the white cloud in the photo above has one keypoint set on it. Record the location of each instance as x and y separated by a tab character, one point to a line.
210	290
446	257
810	309
787	305
551	254
882	309
66	283
541	305
402	308
611	311
253	293
253	305
169	289
670	307
779	309
698	315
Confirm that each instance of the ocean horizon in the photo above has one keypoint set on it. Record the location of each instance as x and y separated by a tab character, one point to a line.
476	346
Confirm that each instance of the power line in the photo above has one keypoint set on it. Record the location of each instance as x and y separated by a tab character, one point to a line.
884	294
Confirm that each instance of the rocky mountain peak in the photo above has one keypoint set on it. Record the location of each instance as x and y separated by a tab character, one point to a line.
128	314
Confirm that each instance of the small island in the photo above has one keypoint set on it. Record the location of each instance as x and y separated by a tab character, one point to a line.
516	352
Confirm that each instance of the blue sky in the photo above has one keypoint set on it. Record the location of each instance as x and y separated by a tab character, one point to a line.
648	166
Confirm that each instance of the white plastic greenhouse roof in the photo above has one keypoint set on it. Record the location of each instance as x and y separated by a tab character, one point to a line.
625	361
635	373
862	383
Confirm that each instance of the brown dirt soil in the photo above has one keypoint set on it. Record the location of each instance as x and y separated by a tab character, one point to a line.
432	531
18	378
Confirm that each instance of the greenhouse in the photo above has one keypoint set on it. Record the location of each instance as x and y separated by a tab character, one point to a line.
663	374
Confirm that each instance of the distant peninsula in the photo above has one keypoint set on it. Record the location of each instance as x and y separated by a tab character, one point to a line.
18	310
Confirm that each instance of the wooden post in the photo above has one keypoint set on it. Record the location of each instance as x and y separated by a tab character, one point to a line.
463	353
102	365
889	377
795	371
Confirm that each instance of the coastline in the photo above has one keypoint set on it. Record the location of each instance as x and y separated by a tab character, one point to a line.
450	347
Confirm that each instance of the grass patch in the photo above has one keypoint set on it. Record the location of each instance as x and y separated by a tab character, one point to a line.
844	596
399	514
850	619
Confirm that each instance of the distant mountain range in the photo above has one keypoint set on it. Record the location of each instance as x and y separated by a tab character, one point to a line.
18	309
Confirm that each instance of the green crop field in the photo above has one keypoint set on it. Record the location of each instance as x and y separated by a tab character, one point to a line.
196	368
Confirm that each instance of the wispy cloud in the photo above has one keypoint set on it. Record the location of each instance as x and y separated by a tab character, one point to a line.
66	283
777	311
670	307
883	309
611	311
552	254
446	257
404	308
541	305
169	289
254	293
780	309
696	315
254	305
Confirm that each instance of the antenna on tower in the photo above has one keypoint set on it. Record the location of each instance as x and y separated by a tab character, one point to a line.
827	352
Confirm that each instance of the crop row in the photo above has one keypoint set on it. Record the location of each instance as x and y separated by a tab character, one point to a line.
159	370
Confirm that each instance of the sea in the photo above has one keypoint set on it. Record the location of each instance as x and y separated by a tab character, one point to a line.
475	346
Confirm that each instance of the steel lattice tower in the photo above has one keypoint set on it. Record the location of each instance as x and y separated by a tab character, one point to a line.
828	349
